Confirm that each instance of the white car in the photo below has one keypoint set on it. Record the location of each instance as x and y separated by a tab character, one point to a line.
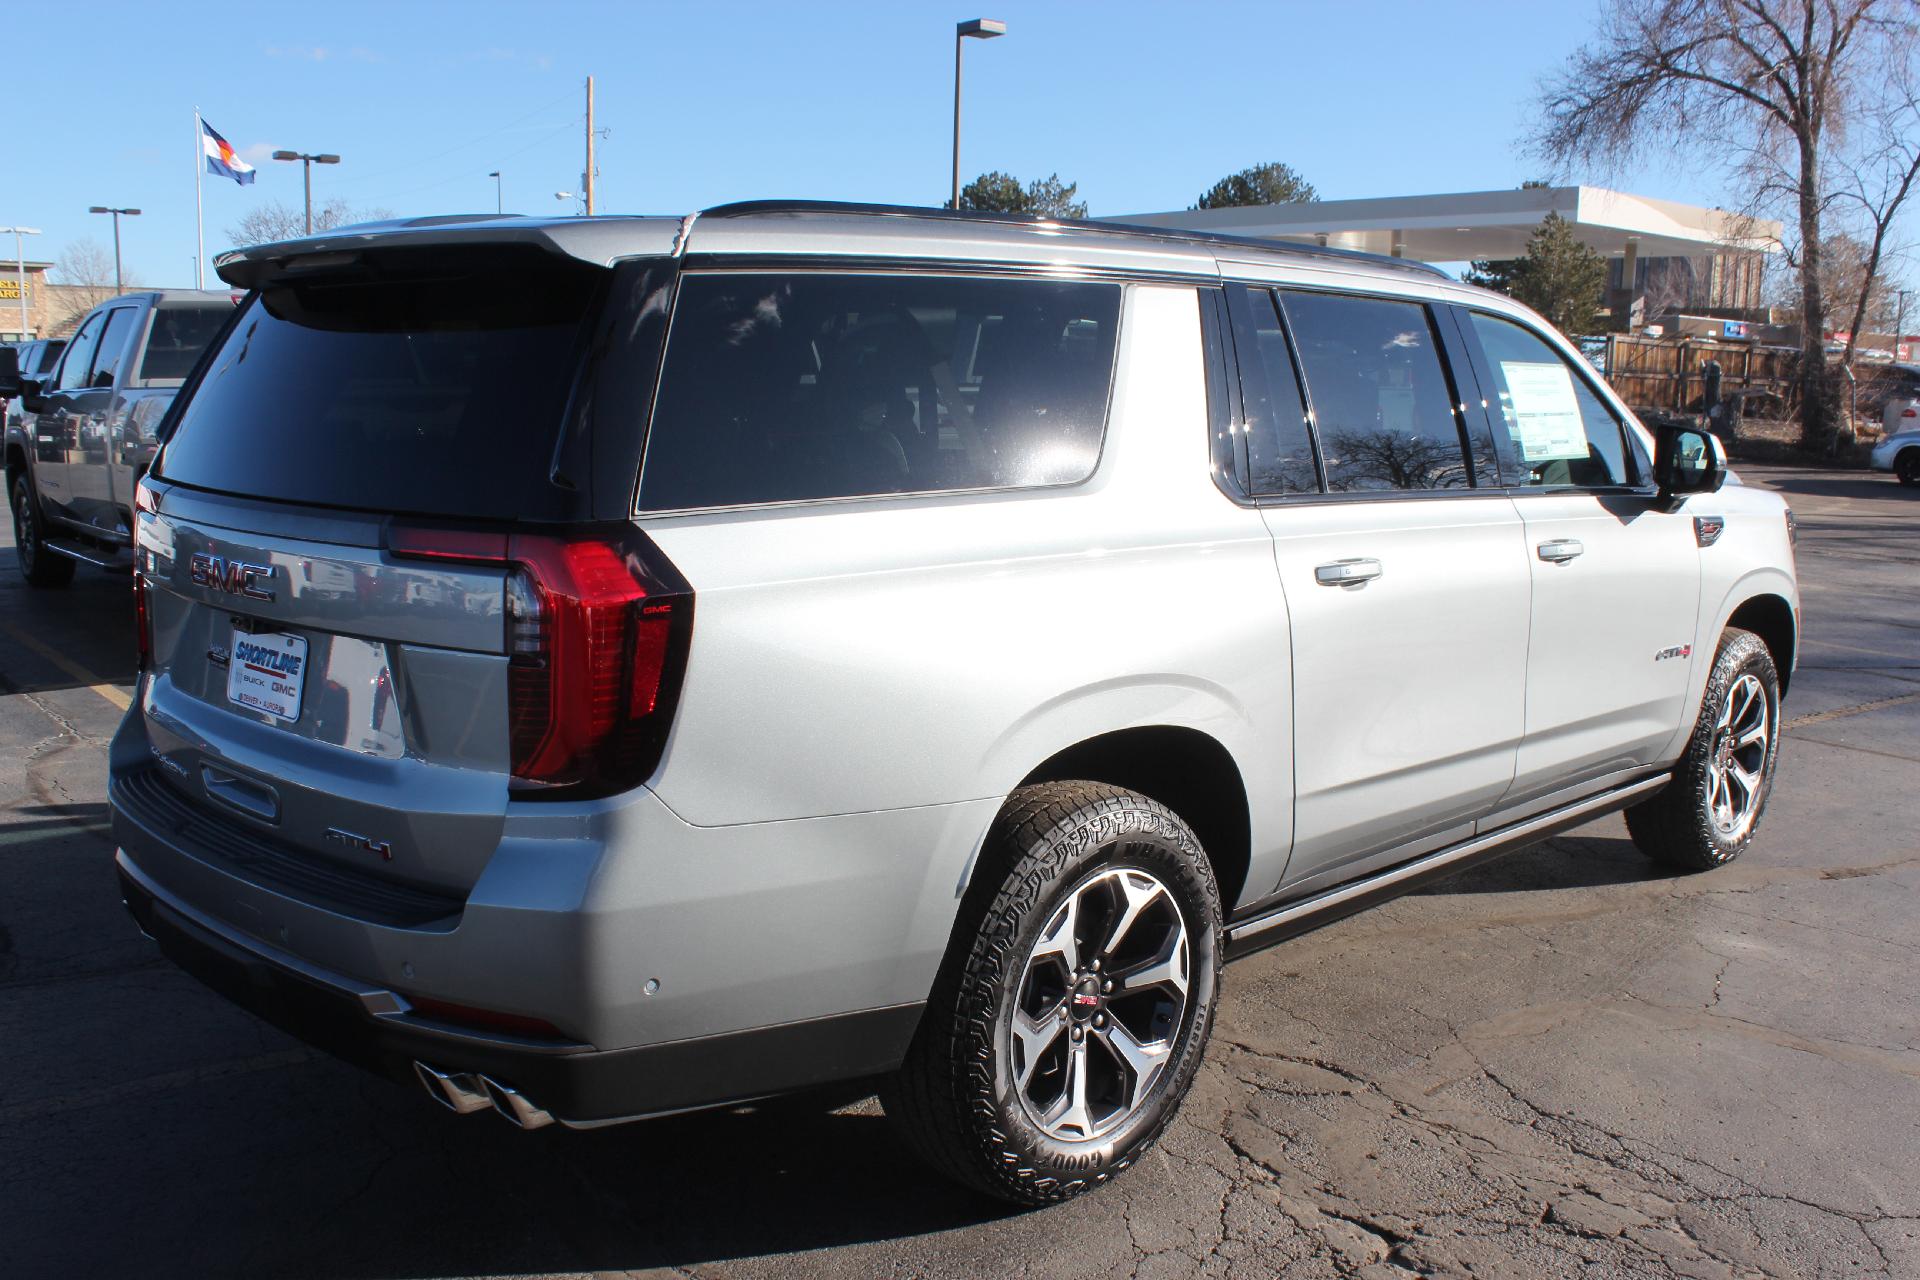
909	645
1899	452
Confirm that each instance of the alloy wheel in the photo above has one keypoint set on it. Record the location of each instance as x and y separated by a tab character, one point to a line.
1741	741
23	540
1101	1002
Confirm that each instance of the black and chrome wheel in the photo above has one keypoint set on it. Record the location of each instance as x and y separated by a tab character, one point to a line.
40	565
1742	745
1708	814
1102	997
1074	1005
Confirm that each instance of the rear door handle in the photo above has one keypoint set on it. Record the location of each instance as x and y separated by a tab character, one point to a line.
1347	573
1560	550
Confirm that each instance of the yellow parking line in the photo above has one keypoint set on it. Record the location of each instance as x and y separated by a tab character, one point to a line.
117	696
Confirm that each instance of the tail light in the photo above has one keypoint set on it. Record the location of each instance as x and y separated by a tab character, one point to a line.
143	502
142	622
597	633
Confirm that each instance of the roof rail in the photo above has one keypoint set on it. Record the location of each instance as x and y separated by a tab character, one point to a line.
753	208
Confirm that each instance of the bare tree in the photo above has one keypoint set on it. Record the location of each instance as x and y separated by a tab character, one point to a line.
274	221
1878	185
84	269
1765	83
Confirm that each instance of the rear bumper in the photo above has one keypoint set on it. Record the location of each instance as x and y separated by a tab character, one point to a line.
375	1029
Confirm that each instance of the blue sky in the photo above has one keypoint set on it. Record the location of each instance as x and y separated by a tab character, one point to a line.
1144	105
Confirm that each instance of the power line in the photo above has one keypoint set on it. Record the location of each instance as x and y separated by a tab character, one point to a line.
360	178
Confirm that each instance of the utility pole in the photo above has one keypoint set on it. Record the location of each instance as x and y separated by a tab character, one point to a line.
586	179
1900	322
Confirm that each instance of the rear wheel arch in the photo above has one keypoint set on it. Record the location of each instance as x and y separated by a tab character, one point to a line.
1188	771
1771	618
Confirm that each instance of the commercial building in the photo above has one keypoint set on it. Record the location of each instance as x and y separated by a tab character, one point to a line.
1665	256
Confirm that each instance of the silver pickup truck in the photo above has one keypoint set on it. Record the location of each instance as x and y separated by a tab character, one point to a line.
84	434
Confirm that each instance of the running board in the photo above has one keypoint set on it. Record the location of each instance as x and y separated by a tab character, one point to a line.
1291	919
80	551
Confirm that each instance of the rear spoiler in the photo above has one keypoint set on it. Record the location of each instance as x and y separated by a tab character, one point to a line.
598	241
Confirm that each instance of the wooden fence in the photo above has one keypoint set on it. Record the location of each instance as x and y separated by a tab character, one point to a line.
1664	374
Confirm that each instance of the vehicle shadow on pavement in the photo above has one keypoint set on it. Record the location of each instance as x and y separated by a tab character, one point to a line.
1568	862
1843	484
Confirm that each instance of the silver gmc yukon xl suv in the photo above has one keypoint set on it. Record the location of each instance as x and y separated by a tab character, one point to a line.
599	668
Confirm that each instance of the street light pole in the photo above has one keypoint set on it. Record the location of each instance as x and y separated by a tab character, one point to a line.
977	29
499	201
307	162
20	258
117	214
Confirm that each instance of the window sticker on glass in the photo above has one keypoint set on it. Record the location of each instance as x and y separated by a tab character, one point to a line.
1546	416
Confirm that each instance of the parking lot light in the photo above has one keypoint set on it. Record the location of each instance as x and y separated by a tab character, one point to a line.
20	257
307	161
117	215
973	29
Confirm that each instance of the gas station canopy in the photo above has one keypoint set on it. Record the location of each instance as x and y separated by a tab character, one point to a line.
1473	225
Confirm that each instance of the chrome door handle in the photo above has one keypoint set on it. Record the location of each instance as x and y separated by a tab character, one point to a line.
1347	573
1560	550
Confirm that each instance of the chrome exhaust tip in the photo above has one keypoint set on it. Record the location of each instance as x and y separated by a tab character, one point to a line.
515	1106
459	1092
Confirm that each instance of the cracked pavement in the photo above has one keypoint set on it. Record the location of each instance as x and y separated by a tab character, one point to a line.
1560	1064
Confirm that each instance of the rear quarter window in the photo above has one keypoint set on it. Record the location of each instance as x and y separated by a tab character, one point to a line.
178	336
791	387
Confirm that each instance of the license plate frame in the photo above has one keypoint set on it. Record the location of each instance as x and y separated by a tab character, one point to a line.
267	672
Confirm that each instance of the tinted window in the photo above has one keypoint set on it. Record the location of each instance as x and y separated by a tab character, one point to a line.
779	388
1556	431
113	345
433	383
77	368
1279	445
1380	395
179	335
49	356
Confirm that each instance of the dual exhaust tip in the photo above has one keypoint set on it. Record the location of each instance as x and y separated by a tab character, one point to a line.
462	1092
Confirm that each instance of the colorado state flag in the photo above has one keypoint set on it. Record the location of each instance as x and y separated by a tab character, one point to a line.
221	160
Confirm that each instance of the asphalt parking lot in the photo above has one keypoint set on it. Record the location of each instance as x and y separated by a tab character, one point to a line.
1560	1064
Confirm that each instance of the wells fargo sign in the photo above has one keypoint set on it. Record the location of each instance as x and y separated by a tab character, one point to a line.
10	290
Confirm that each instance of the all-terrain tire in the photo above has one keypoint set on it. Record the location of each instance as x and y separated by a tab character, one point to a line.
40	565
1679	826
954	1100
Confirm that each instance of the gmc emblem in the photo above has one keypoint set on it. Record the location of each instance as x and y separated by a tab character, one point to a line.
235	577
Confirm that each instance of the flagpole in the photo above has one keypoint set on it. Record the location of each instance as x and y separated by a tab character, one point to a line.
199	205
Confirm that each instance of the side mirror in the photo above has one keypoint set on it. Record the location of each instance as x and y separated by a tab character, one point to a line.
9	371
1688	460
32	393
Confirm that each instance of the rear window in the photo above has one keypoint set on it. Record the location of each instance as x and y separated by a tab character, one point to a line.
431	384
790	387
180	334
